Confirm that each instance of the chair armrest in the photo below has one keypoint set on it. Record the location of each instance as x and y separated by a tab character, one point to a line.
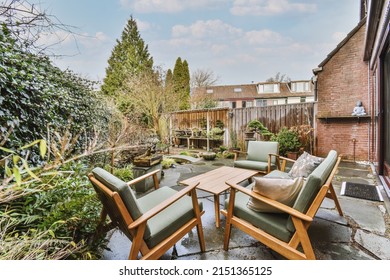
238	153
284	161
270	155
271	202
143	177
163	205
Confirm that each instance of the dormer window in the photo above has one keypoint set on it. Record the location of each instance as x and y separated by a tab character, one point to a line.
300	86
210	90
237	90
268	88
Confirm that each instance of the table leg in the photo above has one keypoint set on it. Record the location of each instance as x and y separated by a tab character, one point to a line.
216	206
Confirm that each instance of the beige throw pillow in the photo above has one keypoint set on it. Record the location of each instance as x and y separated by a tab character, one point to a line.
305	165
280	189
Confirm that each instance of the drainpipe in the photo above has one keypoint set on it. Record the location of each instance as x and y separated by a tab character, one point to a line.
208	130
369	108
315	80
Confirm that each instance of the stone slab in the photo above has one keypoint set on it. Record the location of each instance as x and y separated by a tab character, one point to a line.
365	213
378	245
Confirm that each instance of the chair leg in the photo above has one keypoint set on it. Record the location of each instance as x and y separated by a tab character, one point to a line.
335	199
201	237
198	220
304	238
137	241
228	225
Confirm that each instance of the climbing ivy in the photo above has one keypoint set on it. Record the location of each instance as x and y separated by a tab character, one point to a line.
35	95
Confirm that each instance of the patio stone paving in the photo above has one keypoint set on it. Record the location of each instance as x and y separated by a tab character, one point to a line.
363	234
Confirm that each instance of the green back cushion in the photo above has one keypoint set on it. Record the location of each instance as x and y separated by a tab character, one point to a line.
117	185
305	198
259	150
325	168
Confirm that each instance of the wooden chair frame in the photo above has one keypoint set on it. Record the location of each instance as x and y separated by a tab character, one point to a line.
135	229
300	220
331	194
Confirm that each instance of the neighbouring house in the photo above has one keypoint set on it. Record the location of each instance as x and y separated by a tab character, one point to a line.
254	95
358	70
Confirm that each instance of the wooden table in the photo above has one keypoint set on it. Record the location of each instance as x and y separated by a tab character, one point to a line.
214	182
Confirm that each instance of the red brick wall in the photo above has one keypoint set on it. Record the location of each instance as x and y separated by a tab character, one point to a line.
341	83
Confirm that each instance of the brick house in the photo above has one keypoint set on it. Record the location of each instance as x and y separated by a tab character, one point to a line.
358	69
341	81
255	95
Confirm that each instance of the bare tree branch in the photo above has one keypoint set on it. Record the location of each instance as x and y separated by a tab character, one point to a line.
29	24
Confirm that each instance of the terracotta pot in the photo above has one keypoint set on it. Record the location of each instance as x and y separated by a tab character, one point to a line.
293	155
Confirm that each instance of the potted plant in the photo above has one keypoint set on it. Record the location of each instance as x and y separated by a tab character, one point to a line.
251	129
288	142
258	127
234	141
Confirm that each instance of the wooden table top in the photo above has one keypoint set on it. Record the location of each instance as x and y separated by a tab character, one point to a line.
214	180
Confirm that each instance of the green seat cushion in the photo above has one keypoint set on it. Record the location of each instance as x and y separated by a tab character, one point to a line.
278	174
259	150
117	185
169	220
254	165
272	223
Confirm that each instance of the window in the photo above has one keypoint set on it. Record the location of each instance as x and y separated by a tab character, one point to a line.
268	88
237	90
300	87
249	104
261	102
210	91
234	105
243	104
303	99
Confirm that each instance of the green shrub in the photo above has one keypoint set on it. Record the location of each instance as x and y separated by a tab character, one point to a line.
125	174
185	153
48	212
167	163
288	141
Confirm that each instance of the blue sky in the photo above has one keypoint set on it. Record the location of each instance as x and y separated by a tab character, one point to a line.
241	41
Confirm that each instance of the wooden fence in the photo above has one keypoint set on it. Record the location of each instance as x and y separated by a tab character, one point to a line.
273	117
235	120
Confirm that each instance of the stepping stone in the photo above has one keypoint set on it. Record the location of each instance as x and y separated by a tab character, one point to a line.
181	158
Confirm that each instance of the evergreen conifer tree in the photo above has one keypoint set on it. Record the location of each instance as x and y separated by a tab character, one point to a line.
181	83
129	56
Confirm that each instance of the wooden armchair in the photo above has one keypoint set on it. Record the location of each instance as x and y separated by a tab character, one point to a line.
281	172
261	156
154	222
282	232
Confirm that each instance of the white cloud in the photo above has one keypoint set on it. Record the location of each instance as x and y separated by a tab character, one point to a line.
215	29
265	36
59	37
143	25
269	7
169	6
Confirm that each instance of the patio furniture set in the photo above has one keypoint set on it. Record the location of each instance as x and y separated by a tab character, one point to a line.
274	206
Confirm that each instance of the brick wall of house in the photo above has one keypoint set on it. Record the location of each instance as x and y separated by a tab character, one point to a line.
341	83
